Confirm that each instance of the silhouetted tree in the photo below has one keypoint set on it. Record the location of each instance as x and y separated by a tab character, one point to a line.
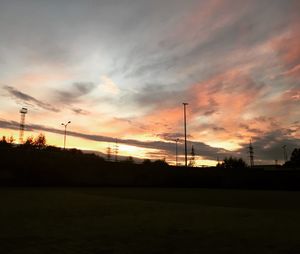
53	149
11	140
40	141
75	151
295	159
233	163
29	143
160	163
129	160
4	143
3	140
146	162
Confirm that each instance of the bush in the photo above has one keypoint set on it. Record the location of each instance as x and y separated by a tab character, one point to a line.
233	163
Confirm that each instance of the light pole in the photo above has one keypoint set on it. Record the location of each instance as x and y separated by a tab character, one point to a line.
65	134
185	146
23	112
176	140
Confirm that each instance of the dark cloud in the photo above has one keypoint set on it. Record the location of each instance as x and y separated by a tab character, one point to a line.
215	128
172	136
209	112
84	87
268	147
201	149
252	130
80	111
13	125
73	94
27	99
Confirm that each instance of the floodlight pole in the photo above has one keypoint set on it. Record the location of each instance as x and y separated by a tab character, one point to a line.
23	112
185	146
65	133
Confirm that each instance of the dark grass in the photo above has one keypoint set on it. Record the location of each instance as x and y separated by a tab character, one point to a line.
148	220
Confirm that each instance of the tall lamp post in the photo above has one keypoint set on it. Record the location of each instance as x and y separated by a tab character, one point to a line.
65	134
185	146
23	112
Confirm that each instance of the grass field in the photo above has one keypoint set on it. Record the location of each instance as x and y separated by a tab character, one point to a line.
145	220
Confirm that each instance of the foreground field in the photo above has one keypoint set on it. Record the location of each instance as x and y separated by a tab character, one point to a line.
145	220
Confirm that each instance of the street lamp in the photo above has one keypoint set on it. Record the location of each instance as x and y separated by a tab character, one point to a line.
65	134
185	146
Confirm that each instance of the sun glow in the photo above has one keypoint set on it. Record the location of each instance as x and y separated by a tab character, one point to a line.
228	145
134	151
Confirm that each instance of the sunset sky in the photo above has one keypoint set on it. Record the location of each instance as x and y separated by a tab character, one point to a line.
120	69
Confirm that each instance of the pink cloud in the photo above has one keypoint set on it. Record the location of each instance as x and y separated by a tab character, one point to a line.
288	50
217	107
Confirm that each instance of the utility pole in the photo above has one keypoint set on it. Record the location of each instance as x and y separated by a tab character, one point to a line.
185	146
108	151
65	133
116	150
23	112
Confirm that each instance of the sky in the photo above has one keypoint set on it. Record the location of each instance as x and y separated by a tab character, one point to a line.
121	69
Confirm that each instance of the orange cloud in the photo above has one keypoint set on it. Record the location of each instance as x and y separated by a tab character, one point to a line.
216	109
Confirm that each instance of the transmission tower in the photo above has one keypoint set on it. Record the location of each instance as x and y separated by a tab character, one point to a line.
192	158
251	154
23	112
116	150
108	153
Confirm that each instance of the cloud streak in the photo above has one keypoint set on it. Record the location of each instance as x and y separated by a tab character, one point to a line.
166	147
74	93
27	99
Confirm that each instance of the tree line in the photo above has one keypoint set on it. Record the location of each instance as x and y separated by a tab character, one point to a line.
35	163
